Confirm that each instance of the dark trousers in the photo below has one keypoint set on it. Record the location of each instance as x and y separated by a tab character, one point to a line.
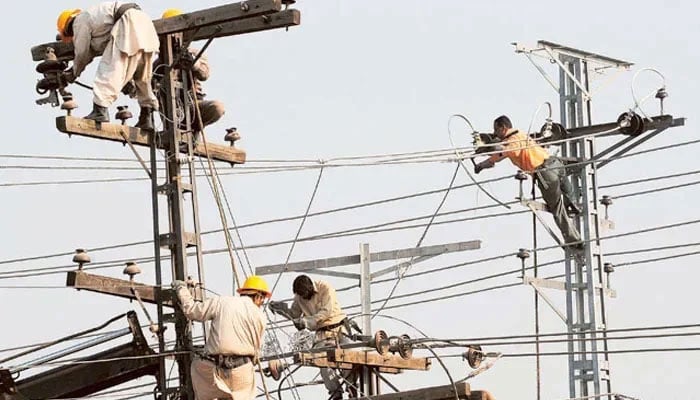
557	192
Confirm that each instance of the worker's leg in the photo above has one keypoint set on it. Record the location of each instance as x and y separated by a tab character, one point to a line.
143	72
142	66
211	110
207	383
567	190
330	380
111	75
242	382
549	184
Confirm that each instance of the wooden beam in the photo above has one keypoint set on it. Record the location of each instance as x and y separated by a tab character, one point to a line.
320	360
221	27
446	392
374	359
89	128
117	287
81	280
282	19
374	257
216	15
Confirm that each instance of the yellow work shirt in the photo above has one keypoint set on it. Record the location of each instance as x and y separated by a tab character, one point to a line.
522	151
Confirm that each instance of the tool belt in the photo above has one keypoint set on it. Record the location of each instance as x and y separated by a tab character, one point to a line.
227	361
119	12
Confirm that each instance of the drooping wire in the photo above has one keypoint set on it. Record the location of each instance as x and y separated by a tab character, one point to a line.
401	273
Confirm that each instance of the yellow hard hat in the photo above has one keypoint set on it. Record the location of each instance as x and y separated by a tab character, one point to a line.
257	283
171	12
63	18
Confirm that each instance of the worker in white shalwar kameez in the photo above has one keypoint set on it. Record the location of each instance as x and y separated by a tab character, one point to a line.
126	39
225	370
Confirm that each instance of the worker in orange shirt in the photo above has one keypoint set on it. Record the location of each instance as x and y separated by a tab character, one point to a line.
530	157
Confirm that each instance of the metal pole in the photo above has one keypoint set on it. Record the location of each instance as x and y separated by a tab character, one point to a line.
162	384
366	305
537	298
174	190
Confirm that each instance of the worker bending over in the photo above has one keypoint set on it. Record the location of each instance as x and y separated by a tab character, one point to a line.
126	39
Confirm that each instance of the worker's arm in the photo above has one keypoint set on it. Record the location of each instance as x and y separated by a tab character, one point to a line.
493	159
81	46
201	67
327	300
260	329
197	310
295	310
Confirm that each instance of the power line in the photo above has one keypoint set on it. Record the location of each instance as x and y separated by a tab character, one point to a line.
327	165
367	204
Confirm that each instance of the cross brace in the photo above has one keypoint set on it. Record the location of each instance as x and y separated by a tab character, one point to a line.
347	359
226	20
446	392
121	288
89	128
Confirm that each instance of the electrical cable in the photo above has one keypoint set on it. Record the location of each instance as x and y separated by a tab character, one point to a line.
420	241
460	157
332	210
638	103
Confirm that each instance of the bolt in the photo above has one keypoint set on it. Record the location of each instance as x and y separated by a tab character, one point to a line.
81	257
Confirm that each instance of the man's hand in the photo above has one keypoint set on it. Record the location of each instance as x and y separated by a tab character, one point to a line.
482	165
278	307
300	323
68	75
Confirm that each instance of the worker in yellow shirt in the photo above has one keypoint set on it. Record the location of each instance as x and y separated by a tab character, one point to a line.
530	157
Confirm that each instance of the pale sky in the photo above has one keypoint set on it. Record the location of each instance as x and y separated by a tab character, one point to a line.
360	78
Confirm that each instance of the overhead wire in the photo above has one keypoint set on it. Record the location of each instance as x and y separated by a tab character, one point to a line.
331	211
420	241
60	269
242	170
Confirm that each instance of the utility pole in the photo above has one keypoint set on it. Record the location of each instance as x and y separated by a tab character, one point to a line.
585	286
176	141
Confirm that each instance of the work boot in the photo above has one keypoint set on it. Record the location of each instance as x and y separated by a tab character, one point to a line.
145	119
337	395
98	114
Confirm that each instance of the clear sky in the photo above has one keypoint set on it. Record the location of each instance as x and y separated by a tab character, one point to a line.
361	77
